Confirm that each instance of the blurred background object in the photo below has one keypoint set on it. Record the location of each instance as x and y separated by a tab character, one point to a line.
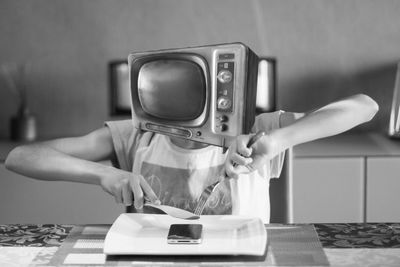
266	85
23	123
120	95
394	125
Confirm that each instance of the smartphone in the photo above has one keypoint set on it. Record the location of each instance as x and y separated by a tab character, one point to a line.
185	234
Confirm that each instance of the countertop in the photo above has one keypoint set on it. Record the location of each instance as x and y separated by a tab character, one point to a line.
331	235
371	144
344	244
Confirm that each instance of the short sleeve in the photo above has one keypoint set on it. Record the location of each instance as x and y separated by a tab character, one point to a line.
122	134
268	122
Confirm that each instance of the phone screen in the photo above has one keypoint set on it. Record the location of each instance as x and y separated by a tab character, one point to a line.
185	234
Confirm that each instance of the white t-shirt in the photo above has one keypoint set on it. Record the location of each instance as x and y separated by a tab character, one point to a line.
178	176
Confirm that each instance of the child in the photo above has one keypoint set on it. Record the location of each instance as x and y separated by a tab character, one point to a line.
173	171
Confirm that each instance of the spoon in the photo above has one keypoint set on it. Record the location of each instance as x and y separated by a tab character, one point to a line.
174	212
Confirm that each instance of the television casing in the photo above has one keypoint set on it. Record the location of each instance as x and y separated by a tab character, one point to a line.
229	100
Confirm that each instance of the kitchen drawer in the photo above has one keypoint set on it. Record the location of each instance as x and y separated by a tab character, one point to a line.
383	194
328	190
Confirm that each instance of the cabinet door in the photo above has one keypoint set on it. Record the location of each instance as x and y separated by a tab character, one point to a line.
328	190
24	200
383	194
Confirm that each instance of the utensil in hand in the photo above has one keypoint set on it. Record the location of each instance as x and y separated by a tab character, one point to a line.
207	192
174	212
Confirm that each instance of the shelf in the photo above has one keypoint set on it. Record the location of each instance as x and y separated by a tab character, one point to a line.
350	145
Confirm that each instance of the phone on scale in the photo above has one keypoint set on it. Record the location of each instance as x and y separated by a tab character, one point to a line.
185	234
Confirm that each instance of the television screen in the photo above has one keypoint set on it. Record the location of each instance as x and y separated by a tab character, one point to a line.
172	89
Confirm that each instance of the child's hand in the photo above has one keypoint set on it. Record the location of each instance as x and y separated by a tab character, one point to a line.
126	186
242	159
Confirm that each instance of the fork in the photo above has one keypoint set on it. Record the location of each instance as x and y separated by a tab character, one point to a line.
207	192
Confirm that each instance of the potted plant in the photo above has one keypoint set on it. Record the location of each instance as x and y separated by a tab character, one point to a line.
23	124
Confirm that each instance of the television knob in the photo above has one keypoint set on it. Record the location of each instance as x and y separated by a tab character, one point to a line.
223	127
224	76
224	103
222	118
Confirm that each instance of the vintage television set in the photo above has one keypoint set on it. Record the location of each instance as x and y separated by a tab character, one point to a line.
206	93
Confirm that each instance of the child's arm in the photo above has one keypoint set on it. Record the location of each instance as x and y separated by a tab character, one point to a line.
297	128
75	160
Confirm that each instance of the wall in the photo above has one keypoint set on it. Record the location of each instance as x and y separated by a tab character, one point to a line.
325	49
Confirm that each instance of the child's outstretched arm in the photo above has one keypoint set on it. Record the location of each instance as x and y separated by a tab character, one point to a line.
297	128
76	160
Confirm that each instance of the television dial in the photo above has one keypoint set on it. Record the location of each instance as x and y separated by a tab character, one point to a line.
224	76
222	118
223	127
224	103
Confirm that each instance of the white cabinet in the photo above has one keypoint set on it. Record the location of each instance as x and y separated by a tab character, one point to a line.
383	193
24	200
328	190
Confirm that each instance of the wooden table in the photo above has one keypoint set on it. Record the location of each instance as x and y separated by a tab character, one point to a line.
352	244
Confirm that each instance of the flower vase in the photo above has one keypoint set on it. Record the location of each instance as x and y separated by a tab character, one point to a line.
23	126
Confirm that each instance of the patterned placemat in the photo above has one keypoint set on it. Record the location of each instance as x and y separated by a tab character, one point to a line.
359	235
288	245
33	235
